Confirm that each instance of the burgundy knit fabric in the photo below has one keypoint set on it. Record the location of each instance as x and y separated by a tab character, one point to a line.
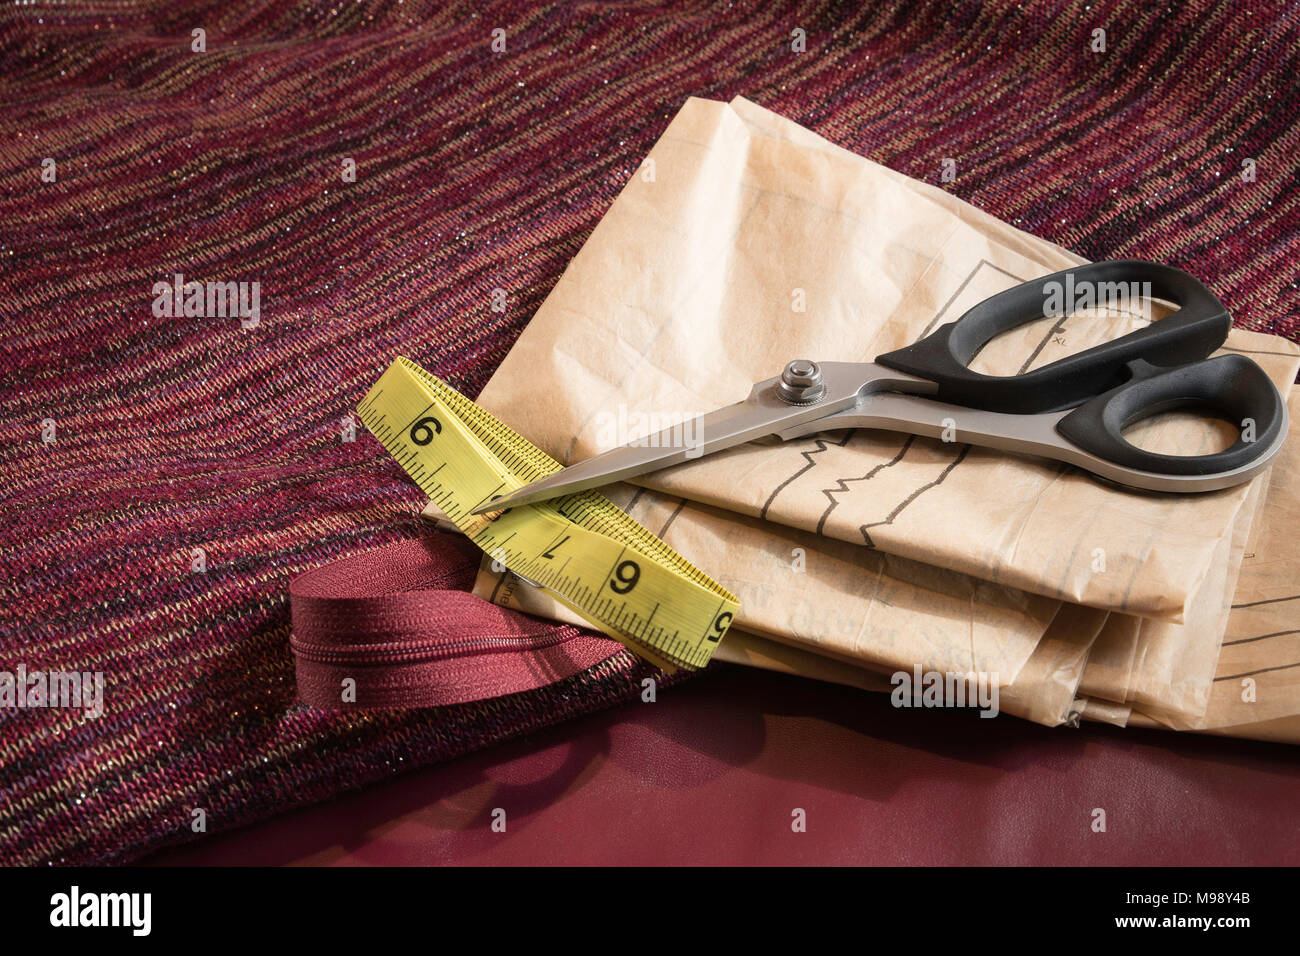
164	476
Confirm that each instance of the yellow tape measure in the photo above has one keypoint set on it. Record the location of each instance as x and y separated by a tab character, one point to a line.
588	553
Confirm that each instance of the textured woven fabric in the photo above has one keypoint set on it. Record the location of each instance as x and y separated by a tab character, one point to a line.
165	476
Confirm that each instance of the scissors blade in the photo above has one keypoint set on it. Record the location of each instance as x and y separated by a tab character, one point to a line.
762	413
727	426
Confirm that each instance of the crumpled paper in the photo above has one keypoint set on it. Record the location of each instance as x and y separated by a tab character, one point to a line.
1079	657
690	289
1255	688
745	241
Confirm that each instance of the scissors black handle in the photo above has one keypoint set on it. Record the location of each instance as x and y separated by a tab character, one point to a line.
1154	369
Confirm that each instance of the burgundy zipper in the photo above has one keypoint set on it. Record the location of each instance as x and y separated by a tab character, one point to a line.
403	651
390	629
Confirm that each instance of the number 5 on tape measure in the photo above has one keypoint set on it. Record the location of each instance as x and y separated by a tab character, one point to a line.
588	553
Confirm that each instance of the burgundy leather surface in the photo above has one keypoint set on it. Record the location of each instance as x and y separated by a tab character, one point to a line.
711	772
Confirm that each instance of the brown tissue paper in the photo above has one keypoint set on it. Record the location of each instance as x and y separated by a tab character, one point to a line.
745	241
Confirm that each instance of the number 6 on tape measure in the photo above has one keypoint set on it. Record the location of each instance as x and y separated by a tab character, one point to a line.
588	553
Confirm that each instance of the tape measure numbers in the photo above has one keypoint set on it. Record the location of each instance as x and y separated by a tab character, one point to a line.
582	548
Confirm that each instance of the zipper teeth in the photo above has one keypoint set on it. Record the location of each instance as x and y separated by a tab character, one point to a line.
417	651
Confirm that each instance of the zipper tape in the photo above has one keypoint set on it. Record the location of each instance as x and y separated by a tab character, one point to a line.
396	627
582	548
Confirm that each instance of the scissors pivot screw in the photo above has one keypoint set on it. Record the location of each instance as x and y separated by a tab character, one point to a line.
801	383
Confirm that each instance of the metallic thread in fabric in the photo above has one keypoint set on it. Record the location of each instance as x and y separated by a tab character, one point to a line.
197	465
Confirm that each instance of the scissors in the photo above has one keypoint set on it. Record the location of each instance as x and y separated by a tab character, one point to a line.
1073	410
